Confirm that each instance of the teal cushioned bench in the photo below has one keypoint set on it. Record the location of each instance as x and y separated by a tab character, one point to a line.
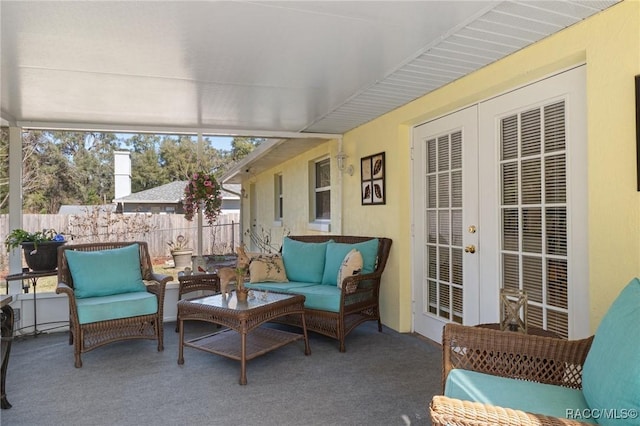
314	269
311	263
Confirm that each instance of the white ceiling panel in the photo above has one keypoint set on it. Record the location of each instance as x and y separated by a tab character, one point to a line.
251	67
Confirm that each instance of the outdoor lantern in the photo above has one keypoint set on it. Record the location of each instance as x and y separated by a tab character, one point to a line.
513	310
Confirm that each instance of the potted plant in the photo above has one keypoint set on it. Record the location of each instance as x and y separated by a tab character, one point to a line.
181	251
40	248
241	291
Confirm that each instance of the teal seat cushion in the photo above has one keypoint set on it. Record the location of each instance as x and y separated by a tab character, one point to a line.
304	262
503	392
611	372
321	297
278	287
105	272
117	306
336	253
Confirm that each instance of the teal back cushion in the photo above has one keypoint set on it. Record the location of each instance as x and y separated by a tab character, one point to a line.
337	251
304	262
105	272
611	372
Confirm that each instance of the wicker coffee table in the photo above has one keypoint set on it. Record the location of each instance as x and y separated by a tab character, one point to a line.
245	339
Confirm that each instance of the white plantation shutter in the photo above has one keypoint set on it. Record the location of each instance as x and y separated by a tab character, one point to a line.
444	227
534	212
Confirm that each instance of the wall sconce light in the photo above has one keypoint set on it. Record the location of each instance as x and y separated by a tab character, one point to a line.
243	193
341	158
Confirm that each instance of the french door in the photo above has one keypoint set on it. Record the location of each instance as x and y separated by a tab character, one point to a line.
533	151
445	235
500	200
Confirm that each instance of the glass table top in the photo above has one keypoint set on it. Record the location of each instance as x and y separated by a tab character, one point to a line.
256	299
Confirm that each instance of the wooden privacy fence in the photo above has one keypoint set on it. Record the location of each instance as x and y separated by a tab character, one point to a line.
155	229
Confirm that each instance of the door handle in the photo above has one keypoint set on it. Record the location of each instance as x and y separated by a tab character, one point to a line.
470	248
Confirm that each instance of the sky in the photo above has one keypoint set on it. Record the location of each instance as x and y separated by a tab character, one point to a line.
218	142
221	142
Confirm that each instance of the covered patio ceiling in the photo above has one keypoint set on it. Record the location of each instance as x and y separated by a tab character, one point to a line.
297	71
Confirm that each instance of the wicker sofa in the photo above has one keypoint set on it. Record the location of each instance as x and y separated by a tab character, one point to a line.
329	309
494	377
104	307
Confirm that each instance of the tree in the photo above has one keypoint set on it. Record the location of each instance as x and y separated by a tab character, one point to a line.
62	167
243	146
179	157
91	157
146	168
66	168
240	148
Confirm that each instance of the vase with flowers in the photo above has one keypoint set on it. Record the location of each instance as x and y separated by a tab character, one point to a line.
202	193
241	291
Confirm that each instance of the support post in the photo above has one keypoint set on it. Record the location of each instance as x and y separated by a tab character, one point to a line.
15	202
200	224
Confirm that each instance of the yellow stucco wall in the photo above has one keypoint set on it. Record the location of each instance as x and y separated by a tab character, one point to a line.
609	44
295	189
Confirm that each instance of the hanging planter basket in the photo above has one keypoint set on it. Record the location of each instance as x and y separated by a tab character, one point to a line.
202	193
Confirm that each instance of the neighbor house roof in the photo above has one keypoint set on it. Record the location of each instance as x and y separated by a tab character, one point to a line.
82	209
170	193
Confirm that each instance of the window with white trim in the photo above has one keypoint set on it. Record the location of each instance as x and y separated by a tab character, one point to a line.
279	207
322	190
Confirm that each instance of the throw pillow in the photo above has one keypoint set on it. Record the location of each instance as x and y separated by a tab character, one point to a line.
105	272
304	262
337	251
351	265
265	268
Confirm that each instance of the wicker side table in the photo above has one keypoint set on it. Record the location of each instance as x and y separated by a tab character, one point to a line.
196	282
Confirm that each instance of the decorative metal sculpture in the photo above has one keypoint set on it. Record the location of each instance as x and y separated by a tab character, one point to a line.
513	310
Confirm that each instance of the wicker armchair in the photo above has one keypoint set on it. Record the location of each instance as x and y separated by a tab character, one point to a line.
88	336
507	354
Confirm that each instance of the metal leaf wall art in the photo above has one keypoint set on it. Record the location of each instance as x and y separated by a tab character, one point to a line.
372	172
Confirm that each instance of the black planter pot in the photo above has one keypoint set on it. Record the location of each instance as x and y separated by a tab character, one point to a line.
45	258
